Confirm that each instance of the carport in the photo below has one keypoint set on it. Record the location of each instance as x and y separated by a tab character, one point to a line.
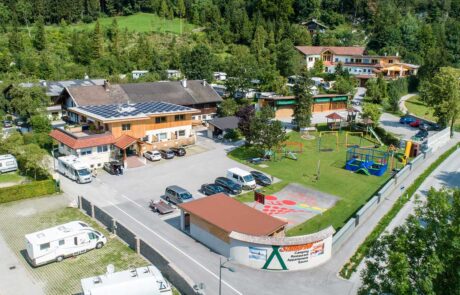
219	126
125	145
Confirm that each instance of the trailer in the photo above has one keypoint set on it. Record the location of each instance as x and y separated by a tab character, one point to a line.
161	207
146	280
65	240
73	168
8	163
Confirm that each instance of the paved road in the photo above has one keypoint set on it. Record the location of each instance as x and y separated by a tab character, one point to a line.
402	102
129	206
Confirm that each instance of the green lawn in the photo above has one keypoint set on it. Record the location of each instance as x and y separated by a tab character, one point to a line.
10	177
64	277
417	107
352	189
142	22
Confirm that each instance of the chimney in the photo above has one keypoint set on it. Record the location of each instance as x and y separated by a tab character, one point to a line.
184	82
106	85
397	53
205	83
86	77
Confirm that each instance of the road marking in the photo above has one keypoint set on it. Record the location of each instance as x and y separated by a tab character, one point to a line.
134	202
173	246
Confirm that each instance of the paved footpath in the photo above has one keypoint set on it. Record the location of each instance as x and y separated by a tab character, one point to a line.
202	265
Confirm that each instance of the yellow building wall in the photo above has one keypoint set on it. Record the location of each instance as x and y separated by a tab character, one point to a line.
140	127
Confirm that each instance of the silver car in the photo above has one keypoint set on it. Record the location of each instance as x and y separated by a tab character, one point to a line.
177	195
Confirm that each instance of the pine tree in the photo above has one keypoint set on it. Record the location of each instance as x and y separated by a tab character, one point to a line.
15	42
97	42
115	38
39	40
302	110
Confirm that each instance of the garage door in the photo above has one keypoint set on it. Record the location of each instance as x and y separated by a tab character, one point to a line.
284	112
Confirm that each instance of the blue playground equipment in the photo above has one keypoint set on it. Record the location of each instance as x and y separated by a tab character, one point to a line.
367	161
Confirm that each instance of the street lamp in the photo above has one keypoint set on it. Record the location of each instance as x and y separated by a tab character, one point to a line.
222	265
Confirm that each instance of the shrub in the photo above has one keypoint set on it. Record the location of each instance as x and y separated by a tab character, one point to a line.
28	190
233	134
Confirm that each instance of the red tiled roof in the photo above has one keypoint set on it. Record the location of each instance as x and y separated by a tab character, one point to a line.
124	141
351	50
230	215
81	142
334	116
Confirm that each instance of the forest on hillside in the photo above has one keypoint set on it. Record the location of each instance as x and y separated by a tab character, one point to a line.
249	39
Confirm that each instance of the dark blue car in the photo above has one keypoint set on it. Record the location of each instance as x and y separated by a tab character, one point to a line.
406	120
229	185
212	189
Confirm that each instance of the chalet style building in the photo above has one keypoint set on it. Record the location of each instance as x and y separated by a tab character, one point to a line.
357	62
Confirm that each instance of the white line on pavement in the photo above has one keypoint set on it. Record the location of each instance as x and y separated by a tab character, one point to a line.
173	246
134	202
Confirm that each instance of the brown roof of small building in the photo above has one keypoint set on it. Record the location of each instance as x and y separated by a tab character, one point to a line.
81	142
124	141
338	50
225	123
334	116
230	215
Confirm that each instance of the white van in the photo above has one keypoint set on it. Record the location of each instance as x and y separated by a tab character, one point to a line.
136	281
242	177
59	242
73	168
8	163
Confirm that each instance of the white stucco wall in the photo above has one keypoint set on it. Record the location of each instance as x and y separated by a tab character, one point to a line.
310	64
209	240
94	159
169	131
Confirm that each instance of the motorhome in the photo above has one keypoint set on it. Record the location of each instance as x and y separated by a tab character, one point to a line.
73	168
146	280
59	242
8	163
242	177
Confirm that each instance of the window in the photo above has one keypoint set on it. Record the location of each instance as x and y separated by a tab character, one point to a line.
61	242
102	148
181	133
126	127
374	61
316	58
390	61
160	120
86	151
45	246
358	60
92	236
310	59
179	117
75	241
162	136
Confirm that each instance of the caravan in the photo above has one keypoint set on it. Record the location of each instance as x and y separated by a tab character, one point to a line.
74	169
57	243
8	163
137	281
242	177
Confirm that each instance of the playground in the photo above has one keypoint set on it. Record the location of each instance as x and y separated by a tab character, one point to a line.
295	204
321	168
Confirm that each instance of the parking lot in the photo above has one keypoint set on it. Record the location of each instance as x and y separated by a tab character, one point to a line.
391	124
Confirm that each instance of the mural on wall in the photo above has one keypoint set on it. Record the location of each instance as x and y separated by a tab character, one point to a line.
256	253
287	255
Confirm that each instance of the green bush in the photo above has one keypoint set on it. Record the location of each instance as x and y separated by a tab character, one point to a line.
27	190
387	138
232	134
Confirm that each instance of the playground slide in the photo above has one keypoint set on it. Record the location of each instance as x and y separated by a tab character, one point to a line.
292	156
363	170
375	135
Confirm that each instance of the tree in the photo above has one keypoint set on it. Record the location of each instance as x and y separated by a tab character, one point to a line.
97	41
241	68
246	115
39	40
443	94
15	42
344	85
393	98
376	90
198	63
27	102
265	132
287	58
40	124
318	67
114	36
372	111
304	98
31	159
228	107
422	256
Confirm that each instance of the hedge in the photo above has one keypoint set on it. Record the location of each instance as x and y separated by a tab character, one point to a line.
350	267
27	190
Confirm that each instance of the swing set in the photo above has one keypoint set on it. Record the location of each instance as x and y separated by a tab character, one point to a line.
328	133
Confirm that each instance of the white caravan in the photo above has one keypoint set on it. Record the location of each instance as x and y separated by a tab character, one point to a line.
146	280
242	177
8	163
59	242
73	168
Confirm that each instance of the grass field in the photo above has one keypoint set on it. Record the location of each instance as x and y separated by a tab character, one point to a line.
352	189
18	219
10	177
142	22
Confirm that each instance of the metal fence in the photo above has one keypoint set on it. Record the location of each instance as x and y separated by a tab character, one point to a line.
174	275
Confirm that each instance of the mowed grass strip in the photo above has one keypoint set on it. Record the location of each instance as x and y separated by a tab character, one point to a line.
10	177
353	189
64	277
140	22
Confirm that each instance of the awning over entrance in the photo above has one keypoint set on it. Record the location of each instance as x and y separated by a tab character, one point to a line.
124	141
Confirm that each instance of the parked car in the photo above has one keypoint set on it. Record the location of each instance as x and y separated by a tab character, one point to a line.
416	123
113	167
421	135
424	126
242	177
261	179
180	151
7	124
435	126
152	155
229	185
177	195
212	189
167	154
406	120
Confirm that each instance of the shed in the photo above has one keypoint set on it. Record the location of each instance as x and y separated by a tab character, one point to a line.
219	126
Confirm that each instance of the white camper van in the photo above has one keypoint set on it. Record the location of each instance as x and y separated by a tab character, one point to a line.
59	242
242	177
74	169
8	163
146	280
